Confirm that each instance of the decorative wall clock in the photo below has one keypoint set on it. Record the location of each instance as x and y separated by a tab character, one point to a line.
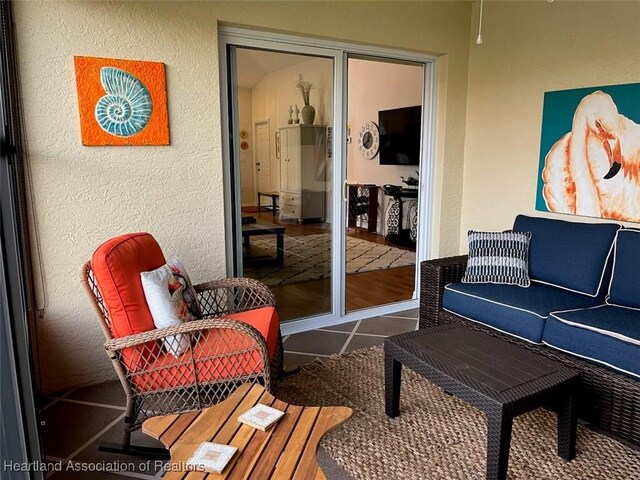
369	140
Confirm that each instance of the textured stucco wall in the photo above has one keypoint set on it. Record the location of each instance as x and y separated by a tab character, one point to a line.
82	196
530	48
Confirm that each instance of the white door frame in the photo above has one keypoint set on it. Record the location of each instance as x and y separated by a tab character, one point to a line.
256	182
339	51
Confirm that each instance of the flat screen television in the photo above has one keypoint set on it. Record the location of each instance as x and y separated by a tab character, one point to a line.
400	130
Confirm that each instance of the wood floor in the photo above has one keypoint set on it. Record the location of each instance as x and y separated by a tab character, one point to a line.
363	290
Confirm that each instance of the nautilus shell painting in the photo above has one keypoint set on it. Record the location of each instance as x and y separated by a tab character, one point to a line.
590	153
122	102
126	108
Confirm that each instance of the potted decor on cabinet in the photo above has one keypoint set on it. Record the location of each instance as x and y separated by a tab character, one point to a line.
308	112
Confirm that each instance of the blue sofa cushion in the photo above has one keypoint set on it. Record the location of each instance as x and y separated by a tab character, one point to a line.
569	255
625	280
605	334
511	309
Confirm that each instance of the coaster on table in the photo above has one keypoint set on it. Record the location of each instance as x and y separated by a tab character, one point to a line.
211	457
261	417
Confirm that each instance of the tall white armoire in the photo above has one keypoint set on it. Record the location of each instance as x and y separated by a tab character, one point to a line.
303	164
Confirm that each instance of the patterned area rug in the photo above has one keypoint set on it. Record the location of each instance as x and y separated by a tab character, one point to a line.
308	257
436	435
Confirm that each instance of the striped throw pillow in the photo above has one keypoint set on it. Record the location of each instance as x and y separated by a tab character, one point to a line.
498	257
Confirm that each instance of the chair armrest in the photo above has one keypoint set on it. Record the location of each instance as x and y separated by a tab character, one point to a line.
194	327
434	275
237	354
232	295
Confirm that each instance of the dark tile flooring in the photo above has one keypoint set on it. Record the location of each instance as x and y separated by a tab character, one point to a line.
77	421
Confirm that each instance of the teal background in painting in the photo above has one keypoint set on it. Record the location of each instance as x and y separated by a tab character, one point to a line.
557	116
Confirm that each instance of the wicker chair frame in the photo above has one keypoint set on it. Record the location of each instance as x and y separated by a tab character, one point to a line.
240	353
608	399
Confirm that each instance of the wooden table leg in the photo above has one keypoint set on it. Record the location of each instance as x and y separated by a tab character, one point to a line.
259	195
392	380
567	426
498	444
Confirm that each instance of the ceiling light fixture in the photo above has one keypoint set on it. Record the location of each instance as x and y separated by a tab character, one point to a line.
479	39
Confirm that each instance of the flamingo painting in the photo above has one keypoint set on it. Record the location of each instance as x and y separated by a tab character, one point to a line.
594	169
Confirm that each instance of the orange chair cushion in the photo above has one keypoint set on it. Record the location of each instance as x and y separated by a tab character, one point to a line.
266	321
117	265
167	371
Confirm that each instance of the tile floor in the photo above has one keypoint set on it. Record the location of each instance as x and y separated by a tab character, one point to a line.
77	421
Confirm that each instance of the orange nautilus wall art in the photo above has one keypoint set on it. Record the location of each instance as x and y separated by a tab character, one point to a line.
122	102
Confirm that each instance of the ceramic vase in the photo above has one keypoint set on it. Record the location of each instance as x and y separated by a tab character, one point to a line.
308	114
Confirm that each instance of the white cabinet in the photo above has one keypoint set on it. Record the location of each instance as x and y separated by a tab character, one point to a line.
303	164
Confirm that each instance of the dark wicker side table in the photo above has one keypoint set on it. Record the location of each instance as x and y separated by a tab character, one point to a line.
500	379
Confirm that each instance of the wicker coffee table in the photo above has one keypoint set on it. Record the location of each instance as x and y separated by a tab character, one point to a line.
498	378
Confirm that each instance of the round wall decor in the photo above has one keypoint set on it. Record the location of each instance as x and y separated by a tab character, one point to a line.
244	134
369	140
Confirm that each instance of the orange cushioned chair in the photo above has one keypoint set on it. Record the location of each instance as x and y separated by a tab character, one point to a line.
237	340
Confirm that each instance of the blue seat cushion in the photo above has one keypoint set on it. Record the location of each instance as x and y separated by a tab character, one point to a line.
605	334
570	255
625	279
509	308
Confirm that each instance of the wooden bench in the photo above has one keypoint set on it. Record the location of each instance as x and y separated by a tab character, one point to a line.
274	201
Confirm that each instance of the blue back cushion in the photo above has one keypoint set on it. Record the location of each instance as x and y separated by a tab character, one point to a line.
625	282
569	255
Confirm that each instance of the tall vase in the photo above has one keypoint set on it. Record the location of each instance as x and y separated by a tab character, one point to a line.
308	114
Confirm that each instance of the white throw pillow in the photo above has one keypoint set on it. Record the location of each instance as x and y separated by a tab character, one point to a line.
167	306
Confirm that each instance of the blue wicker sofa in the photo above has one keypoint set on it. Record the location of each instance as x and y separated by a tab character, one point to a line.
582	309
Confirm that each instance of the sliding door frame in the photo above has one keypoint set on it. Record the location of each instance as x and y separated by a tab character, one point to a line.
340	51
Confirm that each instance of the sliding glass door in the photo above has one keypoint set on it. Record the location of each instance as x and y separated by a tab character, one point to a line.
282	108
309	211
383	157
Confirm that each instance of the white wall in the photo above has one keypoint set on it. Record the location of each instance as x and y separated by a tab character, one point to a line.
84	195
273	95
375	86
530	48
247	165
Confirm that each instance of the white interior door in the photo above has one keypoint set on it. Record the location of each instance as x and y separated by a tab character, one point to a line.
263	156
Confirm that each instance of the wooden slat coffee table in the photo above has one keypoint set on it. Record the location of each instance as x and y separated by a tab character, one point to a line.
286	451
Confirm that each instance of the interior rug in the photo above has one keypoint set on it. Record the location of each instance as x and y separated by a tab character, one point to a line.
308	257
436	435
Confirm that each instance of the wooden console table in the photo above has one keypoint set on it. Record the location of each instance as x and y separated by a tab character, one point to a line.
286	451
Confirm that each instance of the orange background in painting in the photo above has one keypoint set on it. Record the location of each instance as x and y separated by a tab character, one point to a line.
90	90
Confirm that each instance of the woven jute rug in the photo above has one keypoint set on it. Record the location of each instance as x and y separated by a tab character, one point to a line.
436	435
308	257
